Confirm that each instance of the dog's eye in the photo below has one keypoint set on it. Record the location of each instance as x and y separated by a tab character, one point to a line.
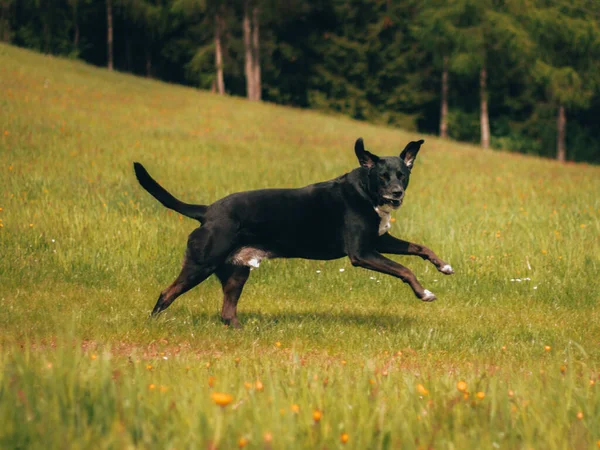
400	176
384	177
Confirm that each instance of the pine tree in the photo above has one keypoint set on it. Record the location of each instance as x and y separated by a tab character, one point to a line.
151	17
248	57
256	52
250	25
219	29
5	20
76	6
568	49
207	15
488	33
365	63
109	35
436	31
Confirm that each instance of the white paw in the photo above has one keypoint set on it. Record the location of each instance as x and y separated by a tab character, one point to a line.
447	269
429	296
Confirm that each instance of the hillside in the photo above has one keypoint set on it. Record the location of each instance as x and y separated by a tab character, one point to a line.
85	253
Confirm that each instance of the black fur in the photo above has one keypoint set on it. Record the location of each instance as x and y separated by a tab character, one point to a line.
323	221
158	192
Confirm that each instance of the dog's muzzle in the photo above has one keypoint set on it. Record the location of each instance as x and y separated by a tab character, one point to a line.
393	201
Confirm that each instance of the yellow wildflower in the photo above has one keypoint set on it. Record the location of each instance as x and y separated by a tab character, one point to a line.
317	415
222	399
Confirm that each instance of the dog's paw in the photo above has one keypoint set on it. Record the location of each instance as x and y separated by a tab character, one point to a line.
231	323
428	296
446	270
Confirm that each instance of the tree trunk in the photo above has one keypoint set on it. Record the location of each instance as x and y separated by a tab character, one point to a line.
561	128
5	21
46	15
148	61
248	54
444	105
109	34
76	37
219	54
75	6
484	120
256	54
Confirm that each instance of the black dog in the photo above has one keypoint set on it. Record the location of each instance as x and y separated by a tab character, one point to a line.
347	216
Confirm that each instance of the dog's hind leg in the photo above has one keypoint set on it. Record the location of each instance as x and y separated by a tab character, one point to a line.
232	279
190	276
207	249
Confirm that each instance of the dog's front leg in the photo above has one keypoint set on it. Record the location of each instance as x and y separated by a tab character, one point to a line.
387	243
379	263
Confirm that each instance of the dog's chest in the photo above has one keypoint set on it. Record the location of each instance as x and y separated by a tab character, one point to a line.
385	218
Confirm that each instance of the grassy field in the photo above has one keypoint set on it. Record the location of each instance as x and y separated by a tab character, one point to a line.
328	358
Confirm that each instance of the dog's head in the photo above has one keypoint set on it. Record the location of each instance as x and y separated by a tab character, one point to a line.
389	175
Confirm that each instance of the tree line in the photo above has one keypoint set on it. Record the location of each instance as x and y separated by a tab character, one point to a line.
522	75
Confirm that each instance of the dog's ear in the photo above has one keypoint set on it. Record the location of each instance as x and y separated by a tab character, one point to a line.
365	158
410	152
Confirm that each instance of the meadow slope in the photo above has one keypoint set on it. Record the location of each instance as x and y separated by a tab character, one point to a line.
330	355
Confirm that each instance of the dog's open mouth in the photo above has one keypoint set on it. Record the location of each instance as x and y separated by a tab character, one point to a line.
394	203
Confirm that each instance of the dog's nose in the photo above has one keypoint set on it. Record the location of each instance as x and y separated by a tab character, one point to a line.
397	193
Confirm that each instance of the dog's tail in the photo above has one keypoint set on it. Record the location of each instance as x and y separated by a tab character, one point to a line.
159	193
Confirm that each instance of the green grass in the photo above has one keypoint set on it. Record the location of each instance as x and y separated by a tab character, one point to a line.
85	252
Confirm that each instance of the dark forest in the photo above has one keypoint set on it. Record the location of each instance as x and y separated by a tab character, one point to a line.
523	76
